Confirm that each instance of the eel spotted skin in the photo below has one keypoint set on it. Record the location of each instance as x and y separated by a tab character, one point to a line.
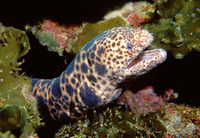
98	73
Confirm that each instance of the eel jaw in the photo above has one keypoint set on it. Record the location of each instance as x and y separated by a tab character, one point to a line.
144	62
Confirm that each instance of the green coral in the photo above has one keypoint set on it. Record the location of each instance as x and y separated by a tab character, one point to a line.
177	27
18	109
7	134
169	120
47	39
13	117
89	30
115	122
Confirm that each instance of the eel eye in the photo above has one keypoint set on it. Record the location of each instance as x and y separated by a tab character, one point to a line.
129	46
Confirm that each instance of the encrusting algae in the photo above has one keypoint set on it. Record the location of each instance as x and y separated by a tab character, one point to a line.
18	111
170	120
176	27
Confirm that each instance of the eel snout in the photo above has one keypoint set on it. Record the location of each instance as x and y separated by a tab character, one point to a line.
145	61
156	56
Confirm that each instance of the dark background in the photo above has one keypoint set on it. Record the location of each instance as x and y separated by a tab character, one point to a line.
181	75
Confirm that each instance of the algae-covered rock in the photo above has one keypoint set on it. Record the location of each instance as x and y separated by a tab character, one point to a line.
72	38
18	112
53	35
171	120
13	118
115	122
135	13
7	134
177	27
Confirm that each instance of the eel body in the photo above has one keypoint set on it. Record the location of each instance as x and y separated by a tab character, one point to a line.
96	75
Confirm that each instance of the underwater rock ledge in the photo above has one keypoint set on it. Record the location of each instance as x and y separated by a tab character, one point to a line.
18	111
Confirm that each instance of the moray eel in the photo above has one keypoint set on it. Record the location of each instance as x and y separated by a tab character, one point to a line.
98	73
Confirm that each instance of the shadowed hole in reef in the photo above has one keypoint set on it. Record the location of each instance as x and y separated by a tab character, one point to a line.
40	63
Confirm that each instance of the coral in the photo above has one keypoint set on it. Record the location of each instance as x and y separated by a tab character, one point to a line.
13	117
71	39
177	27
145	100
53	35
17	109
134	13
111	123
181	121
7	134
170	120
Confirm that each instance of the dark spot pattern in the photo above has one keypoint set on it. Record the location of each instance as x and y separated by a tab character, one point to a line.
103	82
41	104
84	68
100	51
50	102
98	59
92	55
94	47
114	36
35	91
113	44
73	81
100	69
56	91
66	79
69	89
66	98
79	76
88	96
65	107
93	79
83	56
57	106
77	67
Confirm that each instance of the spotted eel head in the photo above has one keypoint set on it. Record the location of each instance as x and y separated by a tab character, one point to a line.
119	53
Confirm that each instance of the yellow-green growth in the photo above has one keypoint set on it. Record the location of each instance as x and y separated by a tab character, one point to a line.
17	109
169	120
7	134
177	29
13	117
114	122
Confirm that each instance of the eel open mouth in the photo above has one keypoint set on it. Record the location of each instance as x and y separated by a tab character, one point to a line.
155	56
